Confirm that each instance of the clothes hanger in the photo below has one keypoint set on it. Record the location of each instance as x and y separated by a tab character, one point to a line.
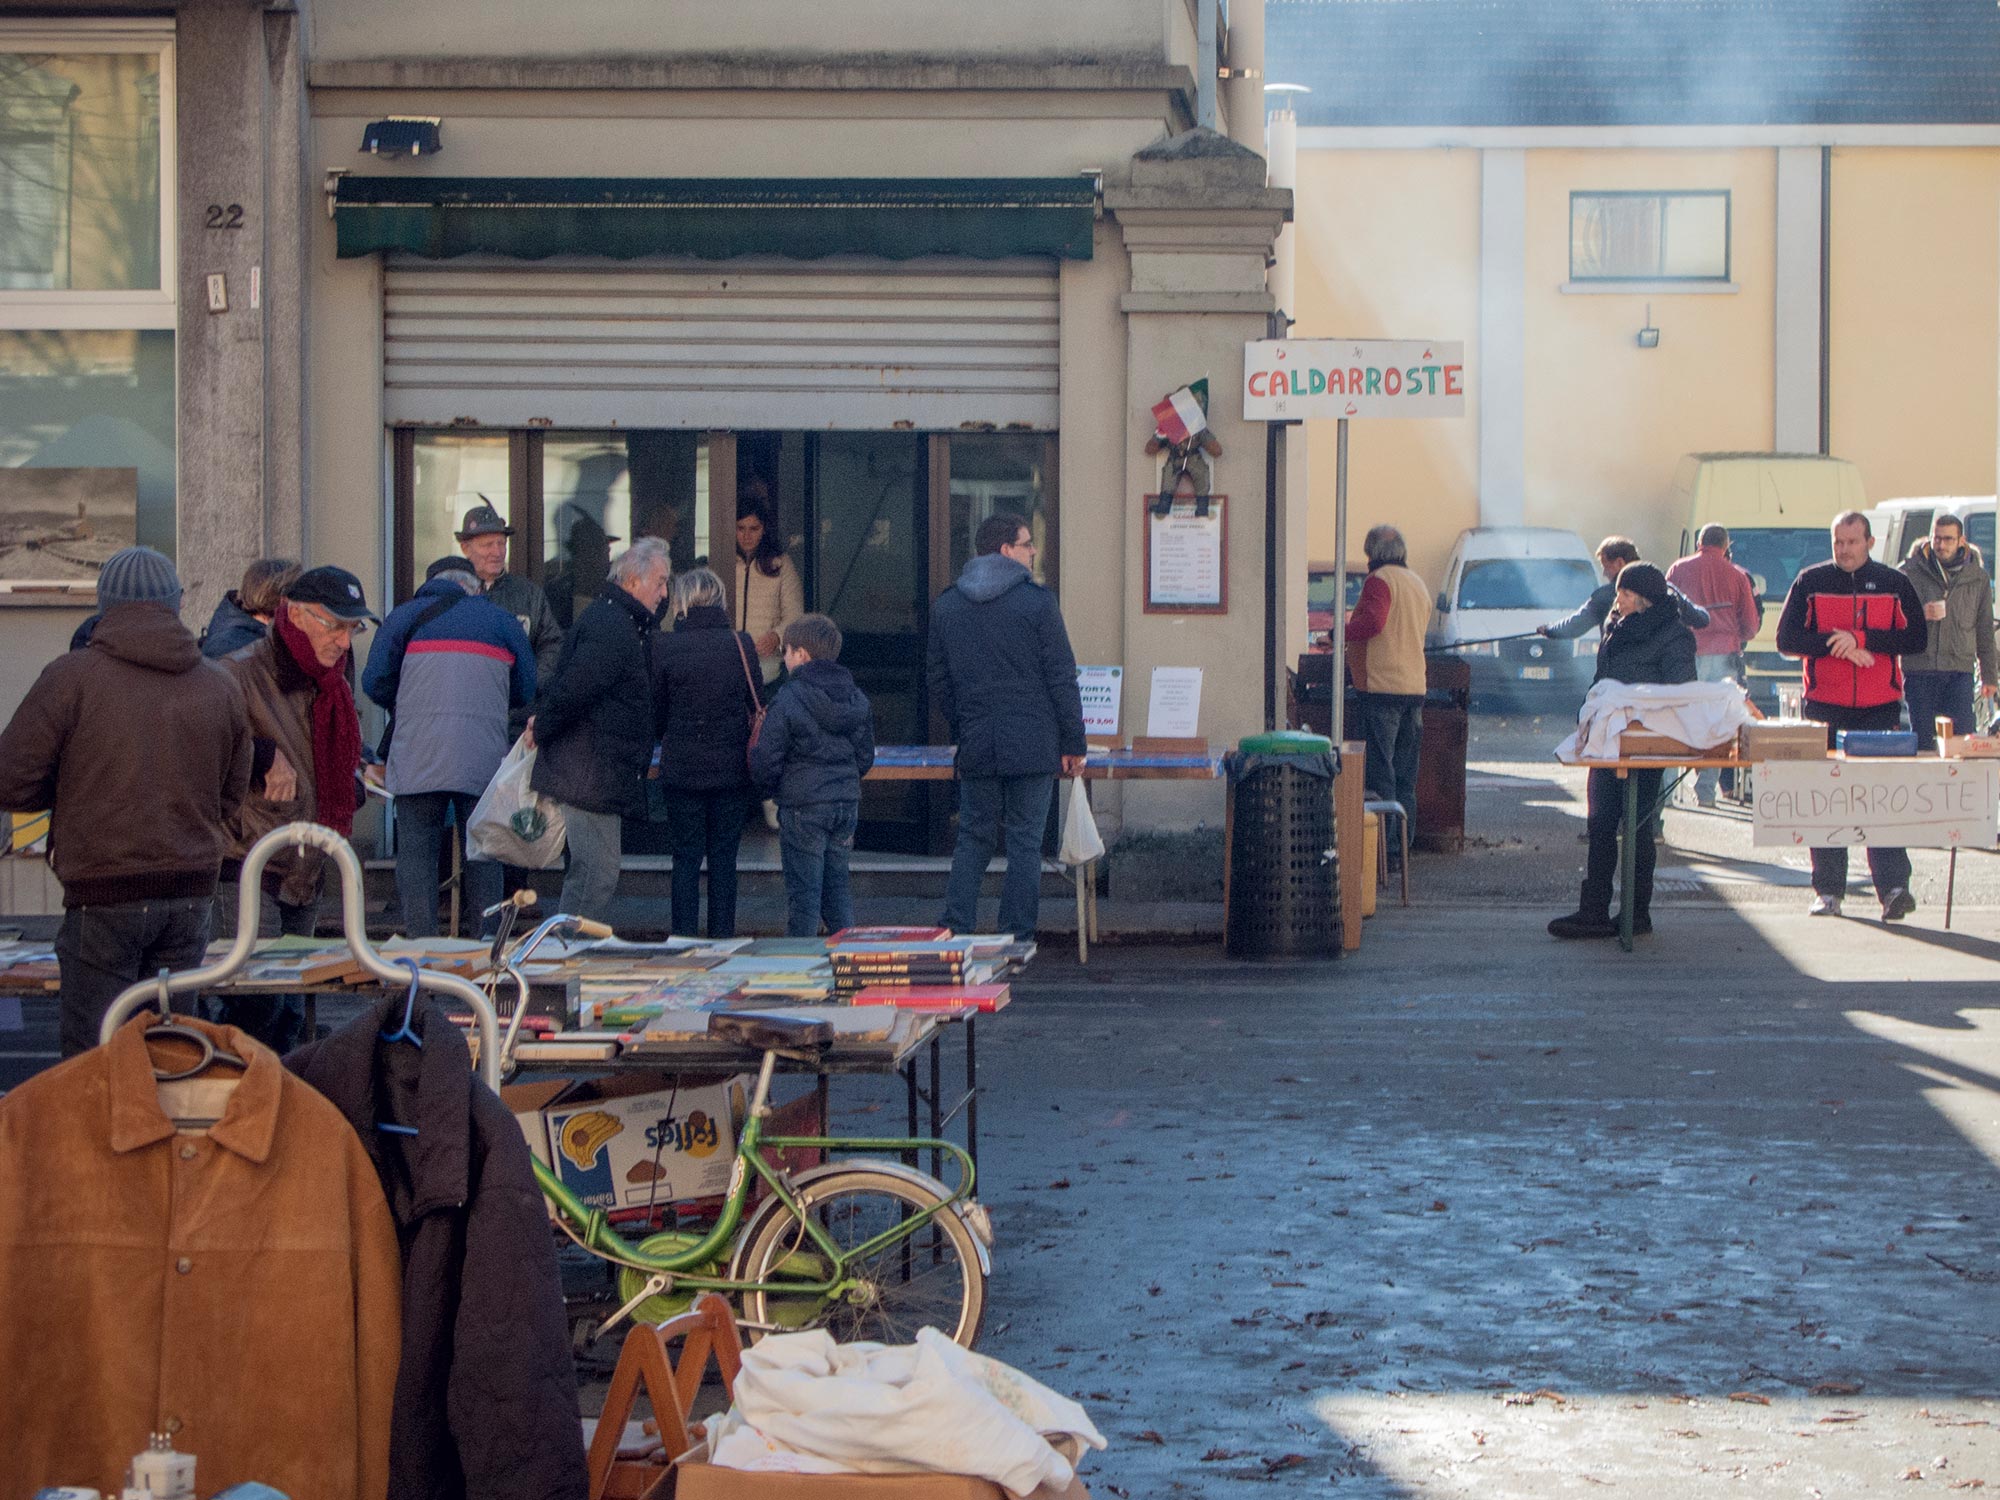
403	1033
167	1026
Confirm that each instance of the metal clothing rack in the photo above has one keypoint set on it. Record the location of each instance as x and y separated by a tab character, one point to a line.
354	926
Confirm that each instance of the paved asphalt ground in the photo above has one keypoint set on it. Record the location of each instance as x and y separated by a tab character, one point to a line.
1473	1213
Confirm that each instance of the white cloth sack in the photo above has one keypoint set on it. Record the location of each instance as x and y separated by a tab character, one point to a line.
1080	841
1695	713
514	823
806	1405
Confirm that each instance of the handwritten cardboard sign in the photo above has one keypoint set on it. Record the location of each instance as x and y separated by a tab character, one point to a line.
1915	803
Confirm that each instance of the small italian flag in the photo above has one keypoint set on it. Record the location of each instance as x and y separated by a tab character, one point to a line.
1184	413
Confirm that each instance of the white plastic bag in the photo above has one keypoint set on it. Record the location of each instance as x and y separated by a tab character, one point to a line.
1080	841
513	823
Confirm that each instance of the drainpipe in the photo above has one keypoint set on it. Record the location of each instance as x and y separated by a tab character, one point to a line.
1204	63
1243	78
1281	149
1825	300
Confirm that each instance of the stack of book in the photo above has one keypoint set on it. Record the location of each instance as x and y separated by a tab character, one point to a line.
926	957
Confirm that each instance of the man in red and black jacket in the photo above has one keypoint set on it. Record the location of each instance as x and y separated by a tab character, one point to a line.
1851	619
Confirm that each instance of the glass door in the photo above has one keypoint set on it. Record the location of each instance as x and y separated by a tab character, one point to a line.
868	567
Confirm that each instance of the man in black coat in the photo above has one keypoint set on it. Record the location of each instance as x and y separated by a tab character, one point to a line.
594	725
1004	678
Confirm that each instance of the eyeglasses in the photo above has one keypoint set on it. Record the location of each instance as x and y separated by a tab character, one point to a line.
328	623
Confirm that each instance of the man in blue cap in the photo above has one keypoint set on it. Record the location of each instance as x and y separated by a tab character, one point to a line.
140	750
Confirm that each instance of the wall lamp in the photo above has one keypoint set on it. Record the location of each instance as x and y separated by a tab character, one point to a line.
403	135
1649	336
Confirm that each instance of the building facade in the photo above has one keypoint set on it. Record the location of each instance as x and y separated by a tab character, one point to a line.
1800	202
613	275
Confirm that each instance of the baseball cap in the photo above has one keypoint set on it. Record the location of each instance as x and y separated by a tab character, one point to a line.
451	564
483	520
334	590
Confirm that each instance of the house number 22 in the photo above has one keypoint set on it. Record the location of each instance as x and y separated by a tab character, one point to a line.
225	216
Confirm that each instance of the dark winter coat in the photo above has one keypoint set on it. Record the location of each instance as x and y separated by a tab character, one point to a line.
594	723
1963	639
1879	605
486	1391
231	628
451	667
524	599
703	695
142	750
1597	608
818	739
1002	673
1654	645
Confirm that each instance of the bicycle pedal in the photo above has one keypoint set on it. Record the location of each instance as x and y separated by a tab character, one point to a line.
656	1284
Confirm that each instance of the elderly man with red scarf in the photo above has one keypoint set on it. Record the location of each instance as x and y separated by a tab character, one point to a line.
306	743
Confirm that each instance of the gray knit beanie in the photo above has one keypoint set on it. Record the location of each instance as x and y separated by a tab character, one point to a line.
138	575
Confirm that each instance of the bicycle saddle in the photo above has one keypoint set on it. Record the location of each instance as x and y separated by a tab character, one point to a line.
751	1029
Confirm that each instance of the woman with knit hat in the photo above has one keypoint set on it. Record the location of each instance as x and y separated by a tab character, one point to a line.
1643	642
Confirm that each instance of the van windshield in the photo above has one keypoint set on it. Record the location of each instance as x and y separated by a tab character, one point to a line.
1526	583
1979	532
1774	557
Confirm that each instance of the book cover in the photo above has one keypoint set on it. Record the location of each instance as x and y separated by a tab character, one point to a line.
985	998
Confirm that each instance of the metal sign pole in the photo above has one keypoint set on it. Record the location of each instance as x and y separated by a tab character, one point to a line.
1339	631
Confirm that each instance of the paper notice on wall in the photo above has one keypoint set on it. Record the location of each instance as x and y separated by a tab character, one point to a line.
1102	689
1175	709
1912	804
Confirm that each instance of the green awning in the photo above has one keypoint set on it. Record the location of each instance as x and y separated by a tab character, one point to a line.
531	218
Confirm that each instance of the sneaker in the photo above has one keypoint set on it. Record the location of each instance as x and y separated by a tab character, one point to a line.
1900	904
1824	906
1582	924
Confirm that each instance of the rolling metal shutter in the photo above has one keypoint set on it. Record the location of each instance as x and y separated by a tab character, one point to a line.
749	344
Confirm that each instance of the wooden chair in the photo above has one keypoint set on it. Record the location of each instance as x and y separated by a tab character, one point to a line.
708	1332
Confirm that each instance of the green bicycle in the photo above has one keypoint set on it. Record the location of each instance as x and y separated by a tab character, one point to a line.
866	1249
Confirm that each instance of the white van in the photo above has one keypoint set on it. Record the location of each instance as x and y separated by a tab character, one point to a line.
1777	508
1898	524
1503	581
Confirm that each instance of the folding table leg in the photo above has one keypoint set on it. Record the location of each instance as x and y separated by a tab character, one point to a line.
1628	858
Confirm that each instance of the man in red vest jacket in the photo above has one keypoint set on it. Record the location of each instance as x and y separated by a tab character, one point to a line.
1851	619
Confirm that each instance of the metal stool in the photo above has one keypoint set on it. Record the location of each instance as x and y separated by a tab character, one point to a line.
1385	809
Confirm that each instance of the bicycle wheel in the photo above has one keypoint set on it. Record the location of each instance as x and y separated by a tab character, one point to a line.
934	1277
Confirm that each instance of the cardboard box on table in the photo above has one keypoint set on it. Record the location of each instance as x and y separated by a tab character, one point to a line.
1640	742
1782	739
697	1479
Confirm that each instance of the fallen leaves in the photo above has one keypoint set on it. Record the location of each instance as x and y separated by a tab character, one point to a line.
1750	1398
1279	1465
1150	1436
1529	1398
1837	1388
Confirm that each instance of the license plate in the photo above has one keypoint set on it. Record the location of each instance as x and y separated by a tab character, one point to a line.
1535	674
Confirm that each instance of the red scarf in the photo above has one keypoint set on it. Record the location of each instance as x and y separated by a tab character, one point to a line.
336	729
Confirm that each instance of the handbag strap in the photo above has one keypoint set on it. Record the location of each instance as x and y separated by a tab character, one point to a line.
749	679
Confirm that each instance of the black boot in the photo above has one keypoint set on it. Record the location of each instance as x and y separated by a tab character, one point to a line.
1583	923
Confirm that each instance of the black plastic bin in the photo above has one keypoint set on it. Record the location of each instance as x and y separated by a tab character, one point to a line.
1284	873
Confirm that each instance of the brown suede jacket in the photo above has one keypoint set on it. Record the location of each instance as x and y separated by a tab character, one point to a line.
239	1289
280	698
141	749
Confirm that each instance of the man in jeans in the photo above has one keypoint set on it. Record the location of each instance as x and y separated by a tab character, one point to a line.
1004	678
1385	636
1956	592
140	749
1710	579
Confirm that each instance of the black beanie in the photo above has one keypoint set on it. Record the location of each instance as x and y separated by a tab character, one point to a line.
1645	580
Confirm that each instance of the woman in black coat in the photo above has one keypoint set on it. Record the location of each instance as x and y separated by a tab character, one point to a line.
1643	642
705	688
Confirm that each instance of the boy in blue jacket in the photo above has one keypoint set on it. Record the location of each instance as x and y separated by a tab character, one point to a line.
817	742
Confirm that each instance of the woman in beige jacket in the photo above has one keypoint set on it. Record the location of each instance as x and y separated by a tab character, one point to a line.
769	595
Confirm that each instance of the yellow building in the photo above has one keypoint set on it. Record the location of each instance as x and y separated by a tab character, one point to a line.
1732	231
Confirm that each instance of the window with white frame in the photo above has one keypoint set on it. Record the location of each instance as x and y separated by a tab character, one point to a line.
1642	236
87	304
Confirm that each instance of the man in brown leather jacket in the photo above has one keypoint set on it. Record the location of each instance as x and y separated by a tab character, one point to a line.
141	750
